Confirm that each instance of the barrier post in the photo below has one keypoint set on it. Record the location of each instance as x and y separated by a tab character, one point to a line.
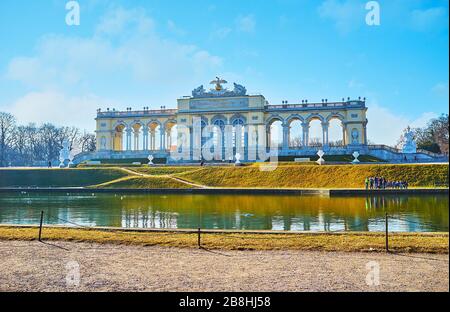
199	241
387	233
40	225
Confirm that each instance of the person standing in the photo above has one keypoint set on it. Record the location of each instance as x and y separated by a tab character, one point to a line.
367	183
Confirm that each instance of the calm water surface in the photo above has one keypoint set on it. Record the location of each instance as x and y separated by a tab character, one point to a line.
422	213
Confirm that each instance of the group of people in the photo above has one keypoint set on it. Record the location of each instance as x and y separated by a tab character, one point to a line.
380	183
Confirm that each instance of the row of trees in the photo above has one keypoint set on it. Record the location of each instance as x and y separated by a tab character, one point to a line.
433	137
29	145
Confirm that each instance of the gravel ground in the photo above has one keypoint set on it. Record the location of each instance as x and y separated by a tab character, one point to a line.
34	266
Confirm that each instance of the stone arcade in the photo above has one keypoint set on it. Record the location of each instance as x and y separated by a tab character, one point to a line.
136	134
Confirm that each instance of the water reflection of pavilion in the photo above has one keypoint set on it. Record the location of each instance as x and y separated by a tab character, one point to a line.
290	213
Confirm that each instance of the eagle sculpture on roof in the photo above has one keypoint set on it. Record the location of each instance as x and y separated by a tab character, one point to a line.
218	82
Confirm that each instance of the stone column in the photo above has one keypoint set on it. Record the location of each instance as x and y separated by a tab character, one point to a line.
113	137
145	139
152	140
325	126
285	136
168	141
162	135
305	128
344	134
365	133
245	148
191	142
136	140
268	137
128	139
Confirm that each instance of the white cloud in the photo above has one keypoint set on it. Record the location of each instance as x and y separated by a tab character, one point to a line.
73	74
221	33
125	44
429	19
246	23
355	84
441	89
346	14
57	108
385	126
175	29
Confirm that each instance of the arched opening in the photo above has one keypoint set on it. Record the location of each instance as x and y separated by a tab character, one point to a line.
172	144
137	137
335	132
154	136
315	133
276	133
295	133
171	136
218	132
119	142
238	134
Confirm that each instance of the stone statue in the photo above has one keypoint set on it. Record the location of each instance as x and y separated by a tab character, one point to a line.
199	92
218	83
103	143
239	90
64	154
355	136
238	159
219	90
409	145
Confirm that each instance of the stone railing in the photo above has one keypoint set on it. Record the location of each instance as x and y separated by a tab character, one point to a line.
305	106
141	113
384	147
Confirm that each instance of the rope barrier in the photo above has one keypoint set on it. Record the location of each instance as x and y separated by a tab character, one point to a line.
224	235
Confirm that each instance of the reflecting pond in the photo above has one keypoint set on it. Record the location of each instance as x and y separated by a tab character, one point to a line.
418	213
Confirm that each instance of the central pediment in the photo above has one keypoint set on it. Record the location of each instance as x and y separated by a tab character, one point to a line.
219	90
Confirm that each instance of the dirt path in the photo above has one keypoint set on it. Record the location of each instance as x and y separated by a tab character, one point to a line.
169	176
35	266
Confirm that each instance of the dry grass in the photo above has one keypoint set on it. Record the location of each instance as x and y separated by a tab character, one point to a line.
400	242
284	176
346	176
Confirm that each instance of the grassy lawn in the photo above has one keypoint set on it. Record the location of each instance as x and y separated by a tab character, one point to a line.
401	242
284	176
333	176
347	176
58	177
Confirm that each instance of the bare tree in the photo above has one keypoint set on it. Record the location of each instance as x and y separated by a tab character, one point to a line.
87	142
7	126
296	142
439	129
315	142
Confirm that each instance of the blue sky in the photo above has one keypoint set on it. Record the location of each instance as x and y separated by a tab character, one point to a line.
149	53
